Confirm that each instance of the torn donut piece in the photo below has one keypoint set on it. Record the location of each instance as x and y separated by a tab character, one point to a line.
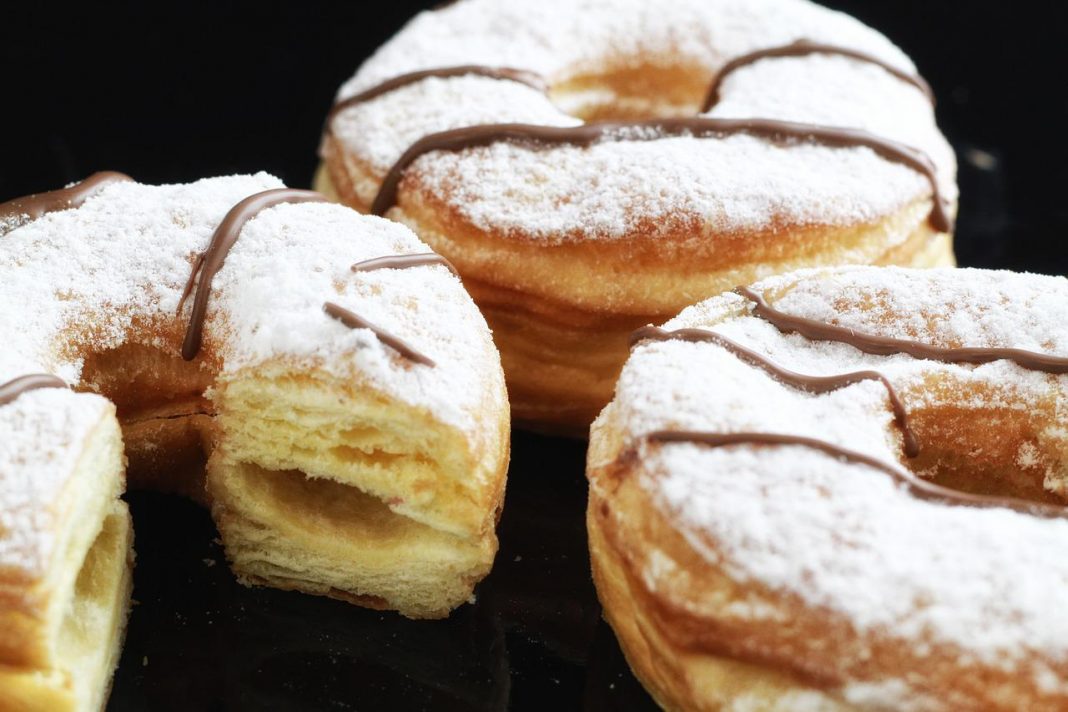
330	486
357	450
66	551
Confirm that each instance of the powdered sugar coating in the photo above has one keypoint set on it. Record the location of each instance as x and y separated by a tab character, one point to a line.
444	104
273	306
844	537
38	452
603	192
78	280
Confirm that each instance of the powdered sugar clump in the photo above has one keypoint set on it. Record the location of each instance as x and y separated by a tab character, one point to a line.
606	191
844	537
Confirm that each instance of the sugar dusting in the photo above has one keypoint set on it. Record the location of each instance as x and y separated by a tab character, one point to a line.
844	537
82	277
42	431
602	192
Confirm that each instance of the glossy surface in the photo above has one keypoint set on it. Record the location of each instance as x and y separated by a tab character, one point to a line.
533	641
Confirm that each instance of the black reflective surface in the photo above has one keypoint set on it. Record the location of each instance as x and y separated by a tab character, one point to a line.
175	91
533	640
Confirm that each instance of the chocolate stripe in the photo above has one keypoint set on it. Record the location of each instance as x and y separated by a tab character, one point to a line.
587	134
522	76
812	384
39	204
404	262
803	48
918	487
198	262
887	346
355	321
17	386
222	241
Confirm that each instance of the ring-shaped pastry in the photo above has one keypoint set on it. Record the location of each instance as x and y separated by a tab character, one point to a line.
593	166
842	489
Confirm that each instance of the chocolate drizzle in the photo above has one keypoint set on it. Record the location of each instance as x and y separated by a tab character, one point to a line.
812	384
886	346
918	487
355	321
868	343
522	76
588	134
17	386
39	204
803	48
404	262
211	261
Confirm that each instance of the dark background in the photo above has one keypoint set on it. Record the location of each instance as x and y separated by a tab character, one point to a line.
196	88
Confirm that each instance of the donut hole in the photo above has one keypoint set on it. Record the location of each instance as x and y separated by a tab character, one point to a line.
147	382
632	92
168	425
995	453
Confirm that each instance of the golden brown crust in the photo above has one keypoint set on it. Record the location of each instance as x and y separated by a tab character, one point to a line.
693	651
22	613
687	662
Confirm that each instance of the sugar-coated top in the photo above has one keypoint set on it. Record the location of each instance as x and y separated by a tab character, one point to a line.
844	537
42	436
603	191
77	281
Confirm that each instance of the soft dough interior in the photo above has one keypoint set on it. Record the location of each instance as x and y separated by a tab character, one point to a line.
334	489
287	530
307	471
91	634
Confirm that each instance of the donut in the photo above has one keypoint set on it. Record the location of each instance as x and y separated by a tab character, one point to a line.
590	167
317	377
842	489
66	546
